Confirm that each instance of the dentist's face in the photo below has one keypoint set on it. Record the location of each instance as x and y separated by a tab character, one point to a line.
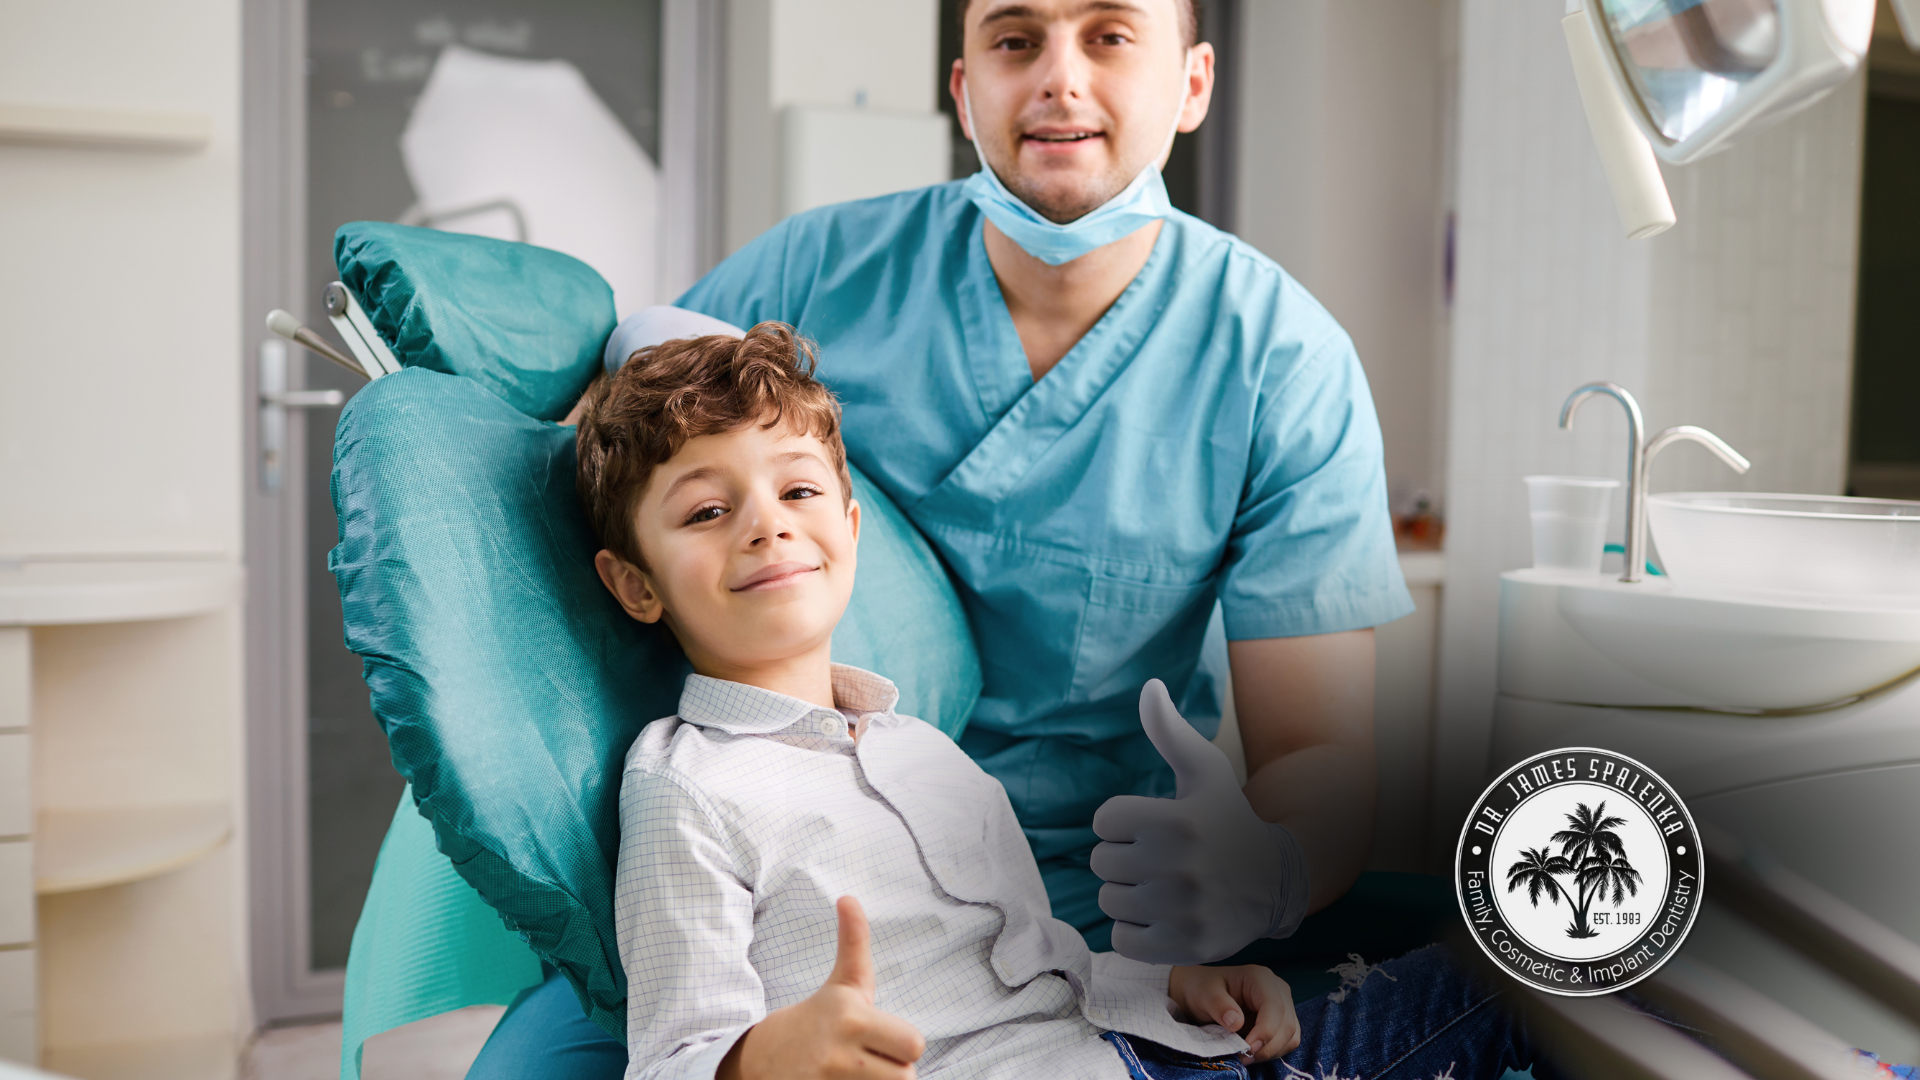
1073	98
749	541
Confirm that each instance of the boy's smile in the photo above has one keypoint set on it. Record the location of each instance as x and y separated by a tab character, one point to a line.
749	539
777	576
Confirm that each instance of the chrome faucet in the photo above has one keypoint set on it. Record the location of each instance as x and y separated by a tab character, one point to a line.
1640	457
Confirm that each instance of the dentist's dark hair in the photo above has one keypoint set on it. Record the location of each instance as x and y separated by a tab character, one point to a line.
669	393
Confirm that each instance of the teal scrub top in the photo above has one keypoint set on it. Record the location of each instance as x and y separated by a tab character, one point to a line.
1211	439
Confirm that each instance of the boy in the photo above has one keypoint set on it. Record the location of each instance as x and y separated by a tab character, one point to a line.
712	470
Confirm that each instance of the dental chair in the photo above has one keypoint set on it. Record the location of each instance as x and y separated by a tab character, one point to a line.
508	683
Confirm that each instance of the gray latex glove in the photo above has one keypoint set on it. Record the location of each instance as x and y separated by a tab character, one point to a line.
1194	878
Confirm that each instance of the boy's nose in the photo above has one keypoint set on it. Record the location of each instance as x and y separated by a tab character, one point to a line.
768	524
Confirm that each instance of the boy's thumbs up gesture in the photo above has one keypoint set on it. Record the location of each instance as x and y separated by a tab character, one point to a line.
836	1034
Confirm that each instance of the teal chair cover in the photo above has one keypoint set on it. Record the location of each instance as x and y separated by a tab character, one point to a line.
508	682
425	943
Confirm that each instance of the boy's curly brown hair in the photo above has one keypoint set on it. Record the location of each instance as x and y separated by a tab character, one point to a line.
679	390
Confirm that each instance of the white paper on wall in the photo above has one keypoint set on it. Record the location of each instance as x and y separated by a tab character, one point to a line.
496	146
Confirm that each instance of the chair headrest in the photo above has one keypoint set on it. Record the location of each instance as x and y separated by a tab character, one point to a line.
525	322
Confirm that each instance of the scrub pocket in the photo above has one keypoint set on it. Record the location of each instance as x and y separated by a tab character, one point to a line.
1136	630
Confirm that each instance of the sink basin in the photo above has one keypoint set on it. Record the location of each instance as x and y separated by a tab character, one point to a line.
1590	639
1800	545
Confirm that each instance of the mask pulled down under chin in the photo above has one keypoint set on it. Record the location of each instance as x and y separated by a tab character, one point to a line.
1141	202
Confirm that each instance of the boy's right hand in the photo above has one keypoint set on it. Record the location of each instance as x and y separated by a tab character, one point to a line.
836	1034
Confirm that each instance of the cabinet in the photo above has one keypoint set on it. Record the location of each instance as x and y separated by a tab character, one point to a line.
122	940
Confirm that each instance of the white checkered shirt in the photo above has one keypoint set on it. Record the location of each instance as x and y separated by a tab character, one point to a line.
745	817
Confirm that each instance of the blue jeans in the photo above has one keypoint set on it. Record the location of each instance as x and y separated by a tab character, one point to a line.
545	1035
1431	1016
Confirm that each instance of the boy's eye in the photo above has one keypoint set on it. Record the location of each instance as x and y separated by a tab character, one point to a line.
705	513
802	493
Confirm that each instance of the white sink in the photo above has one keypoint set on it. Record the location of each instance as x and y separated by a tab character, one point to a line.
1589	639
1769	603
1806	546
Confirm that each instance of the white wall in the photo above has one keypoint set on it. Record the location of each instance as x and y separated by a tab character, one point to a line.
880	54
1738	319
1344	121
837	52
120	426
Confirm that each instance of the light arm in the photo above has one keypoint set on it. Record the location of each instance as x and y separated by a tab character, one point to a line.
683	920
1305	706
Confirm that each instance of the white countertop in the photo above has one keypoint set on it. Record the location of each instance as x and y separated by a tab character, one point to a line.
1423	567
48	593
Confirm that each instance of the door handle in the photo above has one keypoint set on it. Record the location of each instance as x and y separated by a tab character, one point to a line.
275	400
304	399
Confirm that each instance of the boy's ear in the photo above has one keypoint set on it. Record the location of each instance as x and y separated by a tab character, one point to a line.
630	586
853	519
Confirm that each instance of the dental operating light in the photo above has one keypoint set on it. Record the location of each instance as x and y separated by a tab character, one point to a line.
1696	72
1689	75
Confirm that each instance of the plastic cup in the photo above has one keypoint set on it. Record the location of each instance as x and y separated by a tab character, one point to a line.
1569	521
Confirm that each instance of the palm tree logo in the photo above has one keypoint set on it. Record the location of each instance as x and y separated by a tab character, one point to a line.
1591	854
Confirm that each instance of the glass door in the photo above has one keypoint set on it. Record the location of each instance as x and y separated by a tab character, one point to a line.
406	111
368	63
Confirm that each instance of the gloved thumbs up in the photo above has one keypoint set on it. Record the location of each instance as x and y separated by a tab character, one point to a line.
1194	878
853	960
1198	765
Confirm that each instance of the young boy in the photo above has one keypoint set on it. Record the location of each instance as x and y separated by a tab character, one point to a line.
713	472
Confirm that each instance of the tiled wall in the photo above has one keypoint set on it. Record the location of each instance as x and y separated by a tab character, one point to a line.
1753	304
1739	319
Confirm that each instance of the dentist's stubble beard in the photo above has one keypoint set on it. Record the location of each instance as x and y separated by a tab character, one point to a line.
1067	209
1062	207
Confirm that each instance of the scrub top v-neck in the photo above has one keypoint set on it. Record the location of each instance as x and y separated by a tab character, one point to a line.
1210	438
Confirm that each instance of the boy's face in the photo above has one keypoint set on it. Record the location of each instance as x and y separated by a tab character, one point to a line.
749	540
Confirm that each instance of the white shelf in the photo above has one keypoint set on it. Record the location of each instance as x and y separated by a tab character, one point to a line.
64	593
66	125
200	1057
91	849
1423	567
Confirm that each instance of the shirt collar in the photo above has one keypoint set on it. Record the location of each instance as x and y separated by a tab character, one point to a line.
739	709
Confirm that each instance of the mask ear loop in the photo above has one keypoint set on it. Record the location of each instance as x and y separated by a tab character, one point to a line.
973	129
1173	130
1180	110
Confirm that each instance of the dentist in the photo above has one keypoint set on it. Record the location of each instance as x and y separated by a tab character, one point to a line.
1106	416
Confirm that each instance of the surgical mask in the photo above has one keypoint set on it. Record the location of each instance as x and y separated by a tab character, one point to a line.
1141	202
